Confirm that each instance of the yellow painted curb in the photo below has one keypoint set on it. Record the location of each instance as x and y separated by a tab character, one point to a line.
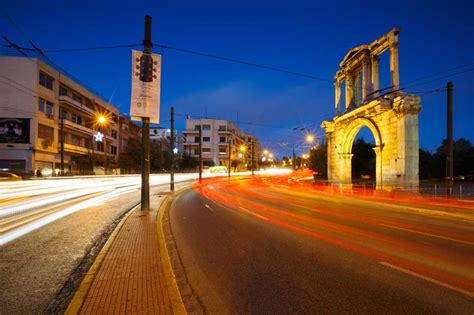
177	303
75	305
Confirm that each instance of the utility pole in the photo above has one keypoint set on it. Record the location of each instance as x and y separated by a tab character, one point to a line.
105	150
449	155
145	193
62	142
172	149
294	160
230	149
200	154
253	158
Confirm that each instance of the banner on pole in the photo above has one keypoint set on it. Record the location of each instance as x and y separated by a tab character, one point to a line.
145	100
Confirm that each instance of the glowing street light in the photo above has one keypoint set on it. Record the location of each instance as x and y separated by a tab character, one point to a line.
265	152
309	138
243	148
271	156
101	119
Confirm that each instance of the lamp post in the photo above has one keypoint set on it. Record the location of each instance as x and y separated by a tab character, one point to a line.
242	150
102	120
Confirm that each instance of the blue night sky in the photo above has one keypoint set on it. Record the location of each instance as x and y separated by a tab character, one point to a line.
310	37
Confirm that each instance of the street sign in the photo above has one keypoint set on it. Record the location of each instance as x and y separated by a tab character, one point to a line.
145	100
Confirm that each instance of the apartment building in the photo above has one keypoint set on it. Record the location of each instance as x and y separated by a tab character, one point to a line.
34	98
216	136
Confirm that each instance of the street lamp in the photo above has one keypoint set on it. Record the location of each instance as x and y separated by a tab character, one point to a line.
102	120
265	152
309	138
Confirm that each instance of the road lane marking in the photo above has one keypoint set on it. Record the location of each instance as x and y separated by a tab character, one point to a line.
254	214
209	207
412	273
429	234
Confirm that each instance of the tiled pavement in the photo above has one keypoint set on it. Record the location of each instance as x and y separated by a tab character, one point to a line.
130	279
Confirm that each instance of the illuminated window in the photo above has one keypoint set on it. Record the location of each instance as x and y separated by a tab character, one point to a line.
206	150
206	127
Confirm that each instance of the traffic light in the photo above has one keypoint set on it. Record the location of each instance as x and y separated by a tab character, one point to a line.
147	68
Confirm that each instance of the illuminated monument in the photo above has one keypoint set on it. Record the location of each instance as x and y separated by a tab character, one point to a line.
390	114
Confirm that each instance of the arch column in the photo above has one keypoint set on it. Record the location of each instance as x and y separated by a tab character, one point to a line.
345	167
379	166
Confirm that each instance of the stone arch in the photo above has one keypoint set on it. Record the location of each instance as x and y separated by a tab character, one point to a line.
390	114
353	129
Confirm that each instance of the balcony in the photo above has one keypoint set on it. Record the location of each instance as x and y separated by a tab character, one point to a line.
190	131
226	132
76	149
77	127
70	101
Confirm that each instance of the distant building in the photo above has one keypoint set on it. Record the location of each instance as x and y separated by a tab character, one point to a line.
163	136
216	136
33	95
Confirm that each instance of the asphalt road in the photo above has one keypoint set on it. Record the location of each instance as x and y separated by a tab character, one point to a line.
270	245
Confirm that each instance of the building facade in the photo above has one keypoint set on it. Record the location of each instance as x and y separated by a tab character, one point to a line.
219	139
38	107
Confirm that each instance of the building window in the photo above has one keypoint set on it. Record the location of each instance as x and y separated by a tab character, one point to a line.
45	107
196	151
206	150
76	140
196	139
206	127
76	118
46	80
197	127
114	134
222	150
222	139
45	132
88	143
77	97
63	90
222	128
206	139
113	150
100	146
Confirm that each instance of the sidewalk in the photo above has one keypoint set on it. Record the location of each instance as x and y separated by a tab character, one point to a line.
130	275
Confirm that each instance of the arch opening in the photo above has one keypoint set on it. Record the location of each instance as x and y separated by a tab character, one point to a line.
363	162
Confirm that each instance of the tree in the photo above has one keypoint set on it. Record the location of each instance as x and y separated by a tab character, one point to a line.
318	160
425	164
463	159
130	160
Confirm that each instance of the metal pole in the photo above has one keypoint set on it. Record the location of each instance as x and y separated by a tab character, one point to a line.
230	161
449	155
105	151
253	158
172	149
145	193
200	153
294	160
62	143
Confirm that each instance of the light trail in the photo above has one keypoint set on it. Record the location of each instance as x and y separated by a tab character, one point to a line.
355	223
26	206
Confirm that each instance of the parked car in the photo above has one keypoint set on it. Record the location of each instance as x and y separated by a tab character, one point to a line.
6	176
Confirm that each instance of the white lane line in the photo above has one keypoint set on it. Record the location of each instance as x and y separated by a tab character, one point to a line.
412	273
428	234
253	213
209	207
